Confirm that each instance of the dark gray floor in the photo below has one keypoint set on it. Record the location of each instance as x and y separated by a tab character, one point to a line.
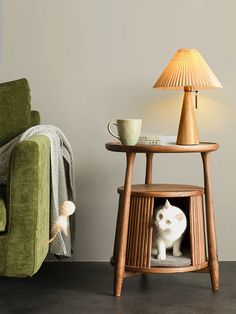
87	288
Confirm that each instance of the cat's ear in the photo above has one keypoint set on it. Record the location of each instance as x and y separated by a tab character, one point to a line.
179	216
167	204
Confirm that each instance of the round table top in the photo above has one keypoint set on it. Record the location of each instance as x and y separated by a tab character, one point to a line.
141	148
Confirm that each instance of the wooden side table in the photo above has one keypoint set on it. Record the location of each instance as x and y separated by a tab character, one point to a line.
121	269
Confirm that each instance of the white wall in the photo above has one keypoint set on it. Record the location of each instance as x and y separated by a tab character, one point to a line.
92	61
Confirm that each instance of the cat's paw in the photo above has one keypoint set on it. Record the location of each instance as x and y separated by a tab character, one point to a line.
161	257
177	253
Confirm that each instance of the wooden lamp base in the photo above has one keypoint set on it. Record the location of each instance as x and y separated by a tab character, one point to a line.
187	133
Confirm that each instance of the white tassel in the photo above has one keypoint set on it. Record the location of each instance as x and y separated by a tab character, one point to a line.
67	209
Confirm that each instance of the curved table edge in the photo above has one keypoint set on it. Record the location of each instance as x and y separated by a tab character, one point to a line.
200	148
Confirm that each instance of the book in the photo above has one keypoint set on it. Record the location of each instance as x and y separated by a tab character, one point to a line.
148	137
156	139
150	142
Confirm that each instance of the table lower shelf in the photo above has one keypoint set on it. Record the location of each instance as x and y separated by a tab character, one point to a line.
163	269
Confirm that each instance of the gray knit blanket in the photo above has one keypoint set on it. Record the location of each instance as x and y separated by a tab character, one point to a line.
62	179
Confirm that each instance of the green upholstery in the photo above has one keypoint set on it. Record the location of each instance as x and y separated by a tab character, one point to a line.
35	118
26	201
15	115
3	210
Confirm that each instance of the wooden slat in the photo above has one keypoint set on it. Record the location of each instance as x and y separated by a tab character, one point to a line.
145	238
136	243
191	222
140	235
128	249
132	231
139	240
197	231
204	227
143	232
202	239
150	230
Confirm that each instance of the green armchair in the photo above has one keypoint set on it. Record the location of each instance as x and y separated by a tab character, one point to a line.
25	199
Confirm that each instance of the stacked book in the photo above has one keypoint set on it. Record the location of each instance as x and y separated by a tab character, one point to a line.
155	139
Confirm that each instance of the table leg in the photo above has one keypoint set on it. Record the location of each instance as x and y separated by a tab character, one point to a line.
122	239
148	180
148	176
210	220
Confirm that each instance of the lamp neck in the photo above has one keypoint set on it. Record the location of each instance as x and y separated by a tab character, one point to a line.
188	88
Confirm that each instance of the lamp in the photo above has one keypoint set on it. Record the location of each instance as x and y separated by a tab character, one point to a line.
187	70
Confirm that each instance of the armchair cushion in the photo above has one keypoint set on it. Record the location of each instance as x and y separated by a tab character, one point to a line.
15	115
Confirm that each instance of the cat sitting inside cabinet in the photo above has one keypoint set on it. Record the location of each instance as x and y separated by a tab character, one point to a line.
169	224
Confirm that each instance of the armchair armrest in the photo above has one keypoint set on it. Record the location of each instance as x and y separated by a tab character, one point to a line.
28	202
35	117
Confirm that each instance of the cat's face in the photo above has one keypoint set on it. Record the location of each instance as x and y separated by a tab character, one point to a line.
169	218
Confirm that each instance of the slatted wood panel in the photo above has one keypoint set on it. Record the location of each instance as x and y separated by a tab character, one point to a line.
197	230
139	242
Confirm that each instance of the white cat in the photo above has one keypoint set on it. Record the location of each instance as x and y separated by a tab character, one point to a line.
169	225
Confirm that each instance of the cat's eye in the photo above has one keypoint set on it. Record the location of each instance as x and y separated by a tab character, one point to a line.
168	222
160	216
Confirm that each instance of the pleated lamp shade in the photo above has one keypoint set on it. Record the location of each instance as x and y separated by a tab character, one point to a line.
187	68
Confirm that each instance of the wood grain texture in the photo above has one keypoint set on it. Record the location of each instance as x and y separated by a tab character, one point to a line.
167	270
197	230
122	239
202	147
187	132
210	222
164	190
128	274
140	232
142	200
148	174
129	243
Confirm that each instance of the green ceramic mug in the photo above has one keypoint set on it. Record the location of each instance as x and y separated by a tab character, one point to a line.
128	130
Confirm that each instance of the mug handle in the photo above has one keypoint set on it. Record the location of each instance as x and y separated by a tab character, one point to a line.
110	131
